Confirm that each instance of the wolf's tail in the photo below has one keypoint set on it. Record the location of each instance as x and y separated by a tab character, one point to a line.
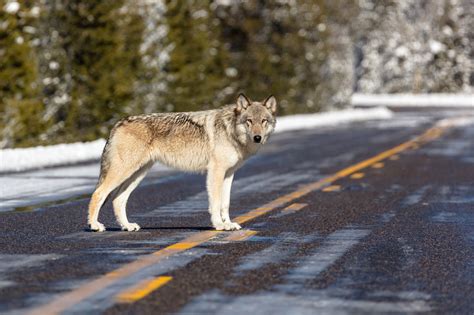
105	159
104	162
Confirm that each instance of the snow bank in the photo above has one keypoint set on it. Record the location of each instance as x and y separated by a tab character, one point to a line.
14	160
413	100
335	118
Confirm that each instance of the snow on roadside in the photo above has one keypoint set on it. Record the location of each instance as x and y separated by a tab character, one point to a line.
306	121
15	160
413	100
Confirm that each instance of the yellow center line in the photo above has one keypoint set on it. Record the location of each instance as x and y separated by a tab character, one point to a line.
357	175
332	188
182	246
295	207
142	289
378	165
73	297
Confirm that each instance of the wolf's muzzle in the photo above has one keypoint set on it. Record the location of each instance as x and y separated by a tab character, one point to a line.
257	139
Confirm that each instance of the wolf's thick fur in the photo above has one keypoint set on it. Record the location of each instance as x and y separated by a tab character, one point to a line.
214	141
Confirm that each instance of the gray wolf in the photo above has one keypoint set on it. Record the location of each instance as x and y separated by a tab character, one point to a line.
215	141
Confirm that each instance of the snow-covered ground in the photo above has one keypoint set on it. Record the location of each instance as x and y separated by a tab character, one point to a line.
325	119
15	160
413	100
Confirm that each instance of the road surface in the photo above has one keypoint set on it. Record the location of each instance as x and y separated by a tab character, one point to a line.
367	218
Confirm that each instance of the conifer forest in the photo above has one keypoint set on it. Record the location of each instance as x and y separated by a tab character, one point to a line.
70	69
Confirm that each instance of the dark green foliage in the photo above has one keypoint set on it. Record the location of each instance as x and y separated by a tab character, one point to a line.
20	106
90	63
196	68
102	43
278	49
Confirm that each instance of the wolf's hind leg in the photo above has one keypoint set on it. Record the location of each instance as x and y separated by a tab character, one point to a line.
119	170
227	186
110	183
97	200
122	195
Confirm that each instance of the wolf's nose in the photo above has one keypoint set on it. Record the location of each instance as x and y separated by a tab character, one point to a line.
257	139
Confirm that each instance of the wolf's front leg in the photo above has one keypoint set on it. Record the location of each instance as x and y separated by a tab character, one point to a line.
215	180
228	224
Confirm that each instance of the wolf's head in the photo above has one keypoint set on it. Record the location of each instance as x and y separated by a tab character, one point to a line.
255	120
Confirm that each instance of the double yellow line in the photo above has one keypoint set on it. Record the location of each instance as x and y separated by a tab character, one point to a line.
75	296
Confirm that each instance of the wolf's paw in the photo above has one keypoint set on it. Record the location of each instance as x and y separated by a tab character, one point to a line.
219	226
217	223
97	227
130	227
231	226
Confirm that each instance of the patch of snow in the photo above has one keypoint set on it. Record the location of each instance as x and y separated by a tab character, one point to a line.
19	40
15	160
456	122
224	2
436	47
29	29
306	121
231	72
53	65
12	7
402	51
200	14
35	11
413	100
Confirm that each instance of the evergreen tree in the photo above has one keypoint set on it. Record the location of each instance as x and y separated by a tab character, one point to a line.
279	48
197	60
20	105
102	42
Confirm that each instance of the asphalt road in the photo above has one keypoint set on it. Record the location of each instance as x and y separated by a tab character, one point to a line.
368	218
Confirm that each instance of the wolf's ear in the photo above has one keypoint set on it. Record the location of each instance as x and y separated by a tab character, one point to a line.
271	104
242	103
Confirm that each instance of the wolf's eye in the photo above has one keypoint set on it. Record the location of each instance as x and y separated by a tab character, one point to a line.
249	121
264	121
